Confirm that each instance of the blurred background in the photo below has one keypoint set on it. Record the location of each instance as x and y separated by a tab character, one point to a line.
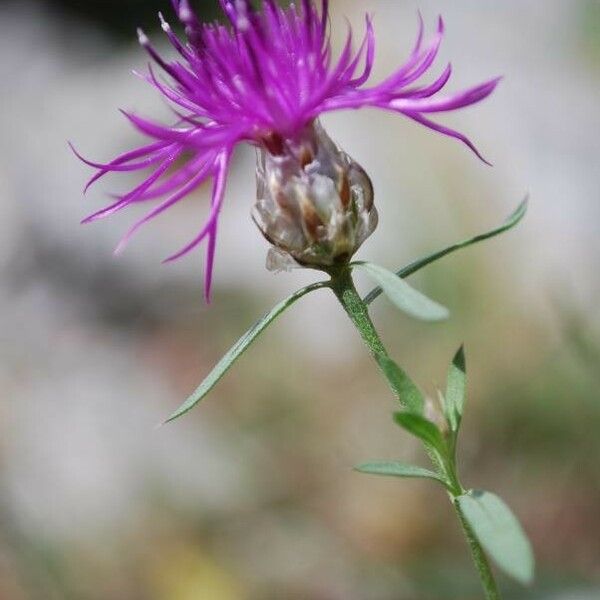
252	496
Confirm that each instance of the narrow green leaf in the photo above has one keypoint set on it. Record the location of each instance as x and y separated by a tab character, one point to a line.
513	220
456	390
500	533
423	429
406	391
238	349
397	469
406	298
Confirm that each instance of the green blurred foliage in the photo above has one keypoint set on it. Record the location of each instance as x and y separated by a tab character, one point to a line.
590	26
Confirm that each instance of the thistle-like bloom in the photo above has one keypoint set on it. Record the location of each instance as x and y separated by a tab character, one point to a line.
265	78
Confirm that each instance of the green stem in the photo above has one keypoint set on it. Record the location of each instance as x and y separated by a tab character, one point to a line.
343	287
479	558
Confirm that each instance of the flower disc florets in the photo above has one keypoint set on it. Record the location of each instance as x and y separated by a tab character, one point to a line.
263	78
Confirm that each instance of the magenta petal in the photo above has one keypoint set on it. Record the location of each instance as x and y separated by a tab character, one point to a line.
184	191
135	193
218	192
175	42
433	88
156	131
125	167
169	93
210	261
420	34
416	66
177	179
217	202
454	102
370	56
153	152
447	131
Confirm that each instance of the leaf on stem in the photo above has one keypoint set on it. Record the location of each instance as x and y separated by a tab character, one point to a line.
238	349
456	388
512	221
397	469
500	533
406	391
402	295
422	428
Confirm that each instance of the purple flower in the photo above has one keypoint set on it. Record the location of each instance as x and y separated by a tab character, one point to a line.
262	79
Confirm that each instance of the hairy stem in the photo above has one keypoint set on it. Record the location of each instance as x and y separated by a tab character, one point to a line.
479	558
343	287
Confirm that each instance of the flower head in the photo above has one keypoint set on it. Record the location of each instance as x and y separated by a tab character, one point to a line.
314	204
264	78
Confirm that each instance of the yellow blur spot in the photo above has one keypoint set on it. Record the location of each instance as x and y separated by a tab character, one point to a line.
185	573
